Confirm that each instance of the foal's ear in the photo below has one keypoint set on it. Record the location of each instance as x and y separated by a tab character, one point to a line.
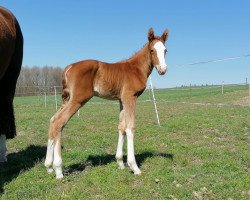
164	36
151	35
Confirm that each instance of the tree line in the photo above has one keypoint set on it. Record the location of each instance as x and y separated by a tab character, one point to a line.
36	80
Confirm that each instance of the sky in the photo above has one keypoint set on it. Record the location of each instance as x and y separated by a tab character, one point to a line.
58	33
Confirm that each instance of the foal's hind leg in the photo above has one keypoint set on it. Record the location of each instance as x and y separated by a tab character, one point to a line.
57	122
50	145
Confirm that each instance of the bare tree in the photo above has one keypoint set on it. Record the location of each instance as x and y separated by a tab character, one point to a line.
34	80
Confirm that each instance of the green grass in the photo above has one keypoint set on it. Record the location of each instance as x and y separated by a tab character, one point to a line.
198	152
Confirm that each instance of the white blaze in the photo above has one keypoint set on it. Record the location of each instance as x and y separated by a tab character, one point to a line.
160	49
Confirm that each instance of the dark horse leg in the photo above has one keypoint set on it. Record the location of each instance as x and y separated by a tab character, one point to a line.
7	91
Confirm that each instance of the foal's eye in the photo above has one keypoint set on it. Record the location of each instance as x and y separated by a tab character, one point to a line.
152	50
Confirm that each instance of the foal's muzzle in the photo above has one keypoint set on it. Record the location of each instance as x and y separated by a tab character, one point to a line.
161	70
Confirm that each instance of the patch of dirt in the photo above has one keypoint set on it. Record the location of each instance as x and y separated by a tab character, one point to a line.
21	133
196	161
243	101
203	193
174	135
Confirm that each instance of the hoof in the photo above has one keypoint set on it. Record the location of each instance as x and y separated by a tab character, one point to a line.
50	170
121	167
120	163
137	172
58	171
133	166
59	176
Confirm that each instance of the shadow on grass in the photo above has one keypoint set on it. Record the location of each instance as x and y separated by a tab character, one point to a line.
99	160
19	162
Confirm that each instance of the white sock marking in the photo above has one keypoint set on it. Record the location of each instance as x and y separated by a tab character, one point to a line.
49	155
57	164
3	157
131	154
119	152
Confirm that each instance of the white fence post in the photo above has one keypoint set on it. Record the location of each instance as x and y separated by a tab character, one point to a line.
55	97
45	100
156	111
249	88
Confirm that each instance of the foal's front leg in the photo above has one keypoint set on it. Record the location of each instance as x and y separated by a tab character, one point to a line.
119	152
129	108
131	152
121	128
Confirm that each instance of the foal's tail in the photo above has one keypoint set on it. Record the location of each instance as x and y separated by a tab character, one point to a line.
65	93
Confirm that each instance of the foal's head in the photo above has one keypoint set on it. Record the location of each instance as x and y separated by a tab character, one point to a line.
158	50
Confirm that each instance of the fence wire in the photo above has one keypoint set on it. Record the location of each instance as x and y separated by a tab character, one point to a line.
51	96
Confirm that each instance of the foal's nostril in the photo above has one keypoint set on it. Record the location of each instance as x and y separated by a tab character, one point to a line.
163	71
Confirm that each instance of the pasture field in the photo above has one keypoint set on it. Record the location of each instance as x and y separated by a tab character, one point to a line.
200	151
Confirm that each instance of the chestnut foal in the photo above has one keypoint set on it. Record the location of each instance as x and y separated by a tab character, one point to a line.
123	81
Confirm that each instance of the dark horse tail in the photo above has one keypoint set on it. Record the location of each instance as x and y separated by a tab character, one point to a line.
8	87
